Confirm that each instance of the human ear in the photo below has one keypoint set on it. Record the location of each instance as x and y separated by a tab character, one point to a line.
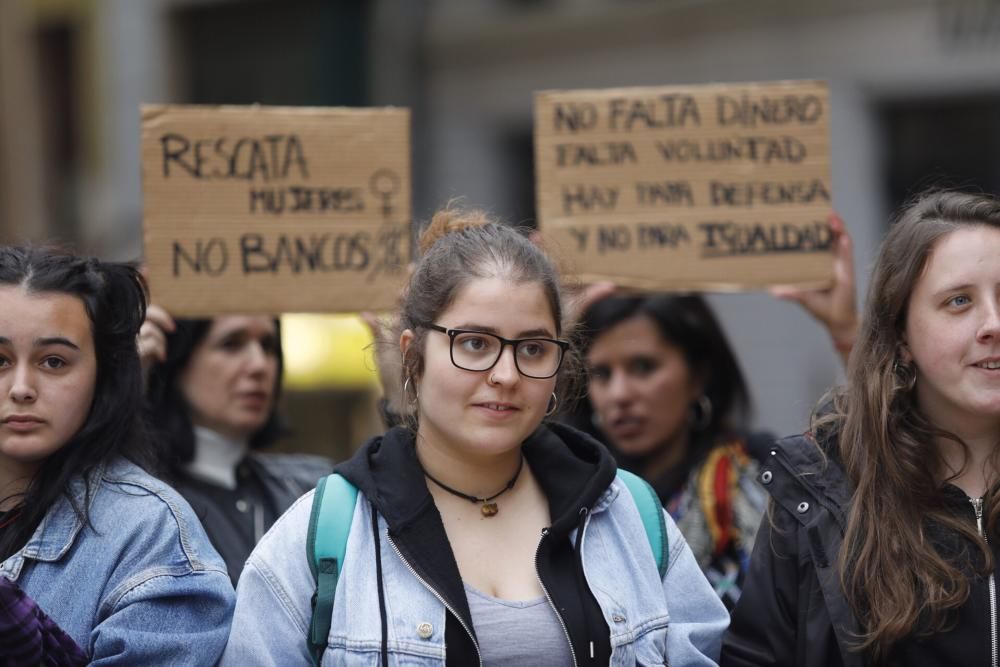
405	339
904	350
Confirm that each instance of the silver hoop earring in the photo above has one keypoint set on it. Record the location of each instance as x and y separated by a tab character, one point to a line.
700	413
553	404
406	392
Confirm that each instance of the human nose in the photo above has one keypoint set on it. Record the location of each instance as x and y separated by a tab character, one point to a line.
258	359
505	371
619	388
989	329
22	389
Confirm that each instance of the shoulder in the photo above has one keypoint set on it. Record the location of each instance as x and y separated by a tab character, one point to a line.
758	444
304	469
801	476
281	558
159	521
277	573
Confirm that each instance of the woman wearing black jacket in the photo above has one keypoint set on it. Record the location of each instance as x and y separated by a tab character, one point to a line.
879	548
211	399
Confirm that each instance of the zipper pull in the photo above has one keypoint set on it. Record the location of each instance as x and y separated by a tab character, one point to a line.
977	506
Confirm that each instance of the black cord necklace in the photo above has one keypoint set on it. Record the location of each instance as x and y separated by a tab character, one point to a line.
489	508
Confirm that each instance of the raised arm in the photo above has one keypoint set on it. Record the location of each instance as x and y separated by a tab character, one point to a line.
835	307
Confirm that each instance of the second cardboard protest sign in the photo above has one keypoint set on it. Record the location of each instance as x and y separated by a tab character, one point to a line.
274	209
688	187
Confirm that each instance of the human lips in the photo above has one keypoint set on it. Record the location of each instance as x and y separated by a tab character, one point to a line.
989	363
497	408
626	426
255	398
22	423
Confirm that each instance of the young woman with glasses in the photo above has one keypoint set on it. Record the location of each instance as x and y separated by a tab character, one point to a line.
482	535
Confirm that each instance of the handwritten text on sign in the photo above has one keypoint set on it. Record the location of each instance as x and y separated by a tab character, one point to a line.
257	209
694	187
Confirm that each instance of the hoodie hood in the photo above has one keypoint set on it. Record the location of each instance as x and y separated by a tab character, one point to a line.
572	468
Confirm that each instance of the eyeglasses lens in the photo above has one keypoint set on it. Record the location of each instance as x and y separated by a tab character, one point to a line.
535	357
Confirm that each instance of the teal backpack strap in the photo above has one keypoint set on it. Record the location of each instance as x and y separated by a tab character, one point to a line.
651	511
326	544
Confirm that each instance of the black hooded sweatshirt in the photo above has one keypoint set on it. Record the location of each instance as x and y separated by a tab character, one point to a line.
573	469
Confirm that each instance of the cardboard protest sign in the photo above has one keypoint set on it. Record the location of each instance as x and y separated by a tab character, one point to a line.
687	187
275	209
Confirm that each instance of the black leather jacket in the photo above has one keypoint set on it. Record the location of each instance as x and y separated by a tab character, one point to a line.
793	610
266	485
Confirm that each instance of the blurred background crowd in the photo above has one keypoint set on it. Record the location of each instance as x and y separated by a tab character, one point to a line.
914	98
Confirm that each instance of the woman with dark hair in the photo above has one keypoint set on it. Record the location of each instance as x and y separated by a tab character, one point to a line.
667	393
114	556
882	544
480	534
212	390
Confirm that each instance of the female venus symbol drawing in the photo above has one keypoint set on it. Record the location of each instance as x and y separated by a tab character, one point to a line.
384	183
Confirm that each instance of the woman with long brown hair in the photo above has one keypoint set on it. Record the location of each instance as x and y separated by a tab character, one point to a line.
880	546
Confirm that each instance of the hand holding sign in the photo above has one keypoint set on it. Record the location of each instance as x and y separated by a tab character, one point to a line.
835	307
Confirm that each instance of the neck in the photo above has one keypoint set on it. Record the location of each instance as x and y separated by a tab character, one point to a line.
480	476
215	458
974	464
667	456
15	476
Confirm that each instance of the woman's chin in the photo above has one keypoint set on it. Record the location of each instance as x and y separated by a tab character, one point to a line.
637	447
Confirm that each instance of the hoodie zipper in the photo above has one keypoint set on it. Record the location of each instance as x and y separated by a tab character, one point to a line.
977	505
439	597
545	532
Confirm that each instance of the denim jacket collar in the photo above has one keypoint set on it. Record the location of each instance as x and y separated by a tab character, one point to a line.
59	529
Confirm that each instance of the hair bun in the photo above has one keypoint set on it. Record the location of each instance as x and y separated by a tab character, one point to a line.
450	220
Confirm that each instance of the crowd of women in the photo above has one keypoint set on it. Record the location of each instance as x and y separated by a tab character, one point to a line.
493	524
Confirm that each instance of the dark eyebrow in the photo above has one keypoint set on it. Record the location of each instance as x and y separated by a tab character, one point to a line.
42	342
531	333
56	340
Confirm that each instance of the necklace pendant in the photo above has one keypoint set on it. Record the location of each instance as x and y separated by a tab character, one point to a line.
489	509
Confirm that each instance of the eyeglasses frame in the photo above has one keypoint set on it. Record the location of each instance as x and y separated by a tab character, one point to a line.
504	342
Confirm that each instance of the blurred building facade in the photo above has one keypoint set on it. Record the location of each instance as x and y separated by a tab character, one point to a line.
915	96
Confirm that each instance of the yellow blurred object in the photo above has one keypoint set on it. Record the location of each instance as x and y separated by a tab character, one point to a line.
327	352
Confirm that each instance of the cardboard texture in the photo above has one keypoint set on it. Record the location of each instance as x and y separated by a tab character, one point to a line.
707	187
275	209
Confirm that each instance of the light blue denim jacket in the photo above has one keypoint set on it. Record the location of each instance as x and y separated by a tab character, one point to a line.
679	619
140	585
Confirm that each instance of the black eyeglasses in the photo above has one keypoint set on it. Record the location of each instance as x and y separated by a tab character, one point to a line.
538	358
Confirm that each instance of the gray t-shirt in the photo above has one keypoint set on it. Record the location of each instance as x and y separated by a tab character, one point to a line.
514	632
